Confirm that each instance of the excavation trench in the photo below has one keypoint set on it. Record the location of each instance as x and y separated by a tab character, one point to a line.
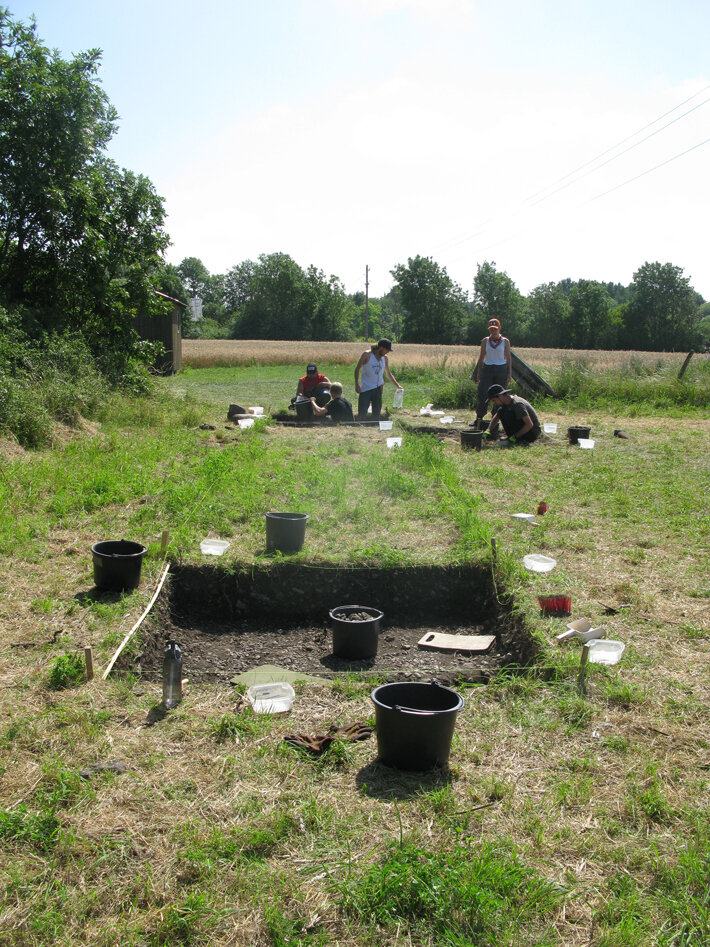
231	620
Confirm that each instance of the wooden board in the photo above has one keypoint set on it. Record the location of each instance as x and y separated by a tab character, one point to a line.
527	377
442	642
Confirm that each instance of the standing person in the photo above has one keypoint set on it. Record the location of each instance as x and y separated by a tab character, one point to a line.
518	417
494	366
369	379
313	384
338	408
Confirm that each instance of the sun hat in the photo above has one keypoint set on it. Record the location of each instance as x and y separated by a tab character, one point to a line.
495	391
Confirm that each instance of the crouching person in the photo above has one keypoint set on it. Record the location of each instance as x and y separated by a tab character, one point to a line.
338	408
516	415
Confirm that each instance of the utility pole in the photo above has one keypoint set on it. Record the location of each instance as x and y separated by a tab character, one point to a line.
367	304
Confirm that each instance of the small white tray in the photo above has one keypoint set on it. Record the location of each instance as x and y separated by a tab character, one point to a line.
549	428
605	651
526	517
273	698
538	563
586	443
213	547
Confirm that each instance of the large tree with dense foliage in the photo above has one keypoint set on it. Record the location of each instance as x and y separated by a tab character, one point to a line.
80	239
434	306
495	295
663	312
277	299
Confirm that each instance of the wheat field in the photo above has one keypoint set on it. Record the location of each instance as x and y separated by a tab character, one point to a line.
206	353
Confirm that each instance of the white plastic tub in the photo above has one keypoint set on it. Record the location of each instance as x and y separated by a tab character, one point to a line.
273	698
525	517
385	425
256	411
394	442
539	563
549	428
586	443
605	651
246	422
213	547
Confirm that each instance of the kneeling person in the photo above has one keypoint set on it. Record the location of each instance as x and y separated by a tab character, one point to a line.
338	408
518	417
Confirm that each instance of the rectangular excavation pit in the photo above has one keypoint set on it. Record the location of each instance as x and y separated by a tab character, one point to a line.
231	620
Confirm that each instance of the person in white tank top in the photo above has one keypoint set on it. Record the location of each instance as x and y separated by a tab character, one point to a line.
494	366
370	373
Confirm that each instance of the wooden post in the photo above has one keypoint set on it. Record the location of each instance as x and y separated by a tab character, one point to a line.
89	658
582	679
685	365
164	540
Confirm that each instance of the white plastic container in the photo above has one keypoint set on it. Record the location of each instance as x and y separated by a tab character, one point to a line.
605	651
213	547
385	425
273	698
246	422
549	428
398	398
586	443
525	517
447	419
394	442
256	411
538	563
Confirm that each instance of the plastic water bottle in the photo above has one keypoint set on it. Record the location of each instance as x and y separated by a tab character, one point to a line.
172	675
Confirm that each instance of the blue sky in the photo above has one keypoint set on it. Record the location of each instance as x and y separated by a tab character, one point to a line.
354	132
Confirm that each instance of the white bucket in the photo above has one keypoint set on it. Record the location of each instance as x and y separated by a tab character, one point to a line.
394	442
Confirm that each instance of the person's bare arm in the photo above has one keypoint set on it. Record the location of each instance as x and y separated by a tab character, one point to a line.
389	373
479	363
508	361
363	358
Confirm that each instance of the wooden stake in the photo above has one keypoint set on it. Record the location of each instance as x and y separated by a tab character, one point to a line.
582	679
164	540
89	658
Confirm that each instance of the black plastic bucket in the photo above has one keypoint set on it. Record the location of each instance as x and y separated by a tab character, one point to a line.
117	564
574	433
415	724
471	440
355	639
304	409
285	532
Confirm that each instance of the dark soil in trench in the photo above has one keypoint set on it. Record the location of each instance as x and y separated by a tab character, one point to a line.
231	620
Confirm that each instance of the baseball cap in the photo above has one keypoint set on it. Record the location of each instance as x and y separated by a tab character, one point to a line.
493	322
311	369
385	344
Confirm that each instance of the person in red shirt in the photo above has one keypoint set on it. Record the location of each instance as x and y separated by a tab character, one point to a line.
314	385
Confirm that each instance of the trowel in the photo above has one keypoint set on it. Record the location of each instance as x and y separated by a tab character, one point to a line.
582	630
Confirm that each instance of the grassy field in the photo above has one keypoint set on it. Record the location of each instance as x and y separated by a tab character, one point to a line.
564	819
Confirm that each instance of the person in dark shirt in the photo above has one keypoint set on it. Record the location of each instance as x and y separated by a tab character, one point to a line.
517	416
338	408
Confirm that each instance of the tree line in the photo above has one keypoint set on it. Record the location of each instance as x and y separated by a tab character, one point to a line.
274	298
82	244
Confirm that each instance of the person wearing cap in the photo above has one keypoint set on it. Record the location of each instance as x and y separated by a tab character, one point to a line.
338	408
517	416
369	379
494	366
315	385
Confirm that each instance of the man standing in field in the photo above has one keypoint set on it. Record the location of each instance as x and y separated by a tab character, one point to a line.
494	366
369	379
518	417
